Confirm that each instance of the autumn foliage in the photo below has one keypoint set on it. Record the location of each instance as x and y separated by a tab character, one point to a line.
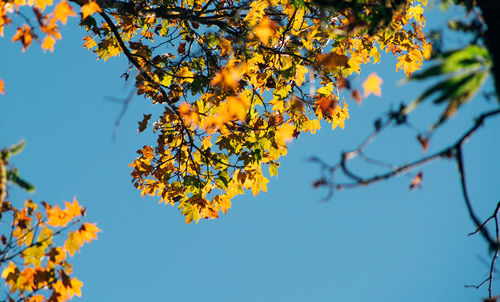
245	79
36	243
235	80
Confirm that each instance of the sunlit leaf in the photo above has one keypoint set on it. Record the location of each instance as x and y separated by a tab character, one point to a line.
62	11
416	182
265	30
372	85
90	8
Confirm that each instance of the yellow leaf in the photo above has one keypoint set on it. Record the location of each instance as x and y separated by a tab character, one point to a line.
185	74
87	233
235	108
71	245
372	85
286	132
62	11
225	46
41	4
76	288
90	8
11	269
48	43
229	77
265	30
416	12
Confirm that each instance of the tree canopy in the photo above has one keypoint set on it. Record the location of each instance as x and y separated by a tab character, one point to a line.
236	79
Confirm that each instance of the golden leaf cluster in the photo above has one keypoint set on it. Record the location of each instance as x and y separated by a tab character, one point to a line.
235	81
44	274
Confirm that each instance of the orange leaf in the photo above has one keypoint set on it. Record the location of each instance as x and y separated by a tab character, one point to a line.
357	96
73	209
372	85
58	217
325	105
286	132
416	182
235	108
424	142
62	11
41	4
331	61
147	152
229	78
2	88
90	8
343	83
76	288
24	35
86	233
265	30
37	298
50	28
48	43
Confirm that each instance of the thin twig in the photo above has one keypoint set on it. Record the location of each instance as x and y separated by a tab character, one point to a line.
125	103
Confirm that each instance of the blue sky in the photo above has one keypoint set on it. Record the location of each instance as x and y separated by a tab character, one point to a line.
380	243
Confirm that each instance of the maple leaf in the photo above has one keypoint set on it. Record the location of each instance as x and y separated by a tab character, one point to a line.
37	298
2	88
90	8
424	142
73	209
62	11
286	132
182	48
229	77
372	85
41	4
59	217
355	94
24	35
147	152
416	182
343	83
86	233
89	42
144	123
265	30
331	61
71	245
235	108
325	105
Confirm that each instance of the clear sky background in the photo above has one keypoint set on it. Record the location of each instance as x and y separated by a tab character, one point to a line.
380	243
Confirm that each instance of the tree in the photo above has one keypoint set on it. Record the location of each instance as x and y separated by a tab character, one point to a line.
33	251
460	74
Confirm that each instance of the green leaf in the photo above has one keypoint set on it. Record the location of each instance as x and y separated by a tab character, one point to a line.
460	96
12	177
298	3
17	148
463	60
